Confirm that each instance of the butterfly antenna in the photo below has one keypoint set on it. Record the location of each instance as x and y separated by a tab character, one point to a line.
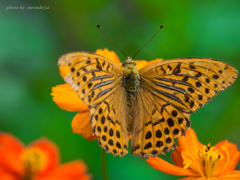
110	39
148	41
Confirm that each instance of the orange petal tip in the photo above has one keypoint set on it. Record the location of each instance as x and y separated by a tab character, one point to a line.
165	167
64	71
81	125
108	54
67	99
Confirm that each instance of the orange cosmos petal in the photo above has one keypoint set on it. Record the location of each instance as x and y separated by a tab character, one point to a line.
64	70
70	171
80	121
120	64
87	133
10	153
8	176
67	99
51	152
213	178
194	144
108	54
140	64
233	153
232	148
233	161
194	178
129	137
165	167
182	143
224	162
230	175
189	160
81	125
154	61
189	142
177	158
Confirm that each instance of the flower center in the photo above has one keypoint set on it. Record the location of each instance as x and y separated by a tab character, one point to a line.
209	158
34	161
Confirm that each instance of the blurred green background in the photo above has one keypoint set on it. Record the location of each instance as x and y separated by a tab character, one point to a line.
31	41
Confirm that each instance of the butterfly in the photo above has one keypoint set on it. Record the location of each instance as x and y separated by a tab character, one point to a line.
153	104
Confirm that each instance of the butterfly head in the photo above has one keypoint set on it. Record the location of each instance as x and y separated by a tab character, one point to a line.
128	61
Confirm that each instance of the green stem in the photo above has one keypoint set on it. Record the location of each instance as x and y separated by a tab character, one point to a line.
104	165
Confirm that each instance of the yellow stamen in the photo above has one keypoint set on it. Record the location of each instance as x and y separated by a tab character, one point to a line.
189	161
34	160
209	158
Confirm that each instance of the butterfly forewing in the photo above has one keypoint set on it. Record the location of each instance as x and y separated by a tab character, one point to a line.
168	93
98	82
189	82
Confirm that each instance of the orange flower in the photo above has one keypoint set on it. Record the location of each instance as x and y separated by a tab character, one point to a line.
37	161
66	98
200	162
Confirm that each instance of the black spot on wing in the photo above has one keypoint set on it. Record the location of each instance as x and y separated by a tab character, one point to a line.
148	135
198	75
170	122
159	144
158	134
166	131
164	72
174	113
175	131
177	69
99	67
108	66
215	76
198	84
168	140
148	145
72	69
185	79
192	67
170	68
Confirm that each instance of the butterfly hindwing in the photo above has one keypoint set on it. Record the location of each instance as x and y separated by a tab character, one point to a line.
109	122
168	93
155	125
98	82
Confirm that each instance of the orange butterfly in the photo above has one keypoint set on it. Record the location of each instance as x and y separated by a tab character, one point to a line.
153	104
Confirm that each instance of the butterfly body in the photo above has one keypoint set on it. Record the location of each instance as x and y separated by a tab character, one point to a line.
131	82
153	104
